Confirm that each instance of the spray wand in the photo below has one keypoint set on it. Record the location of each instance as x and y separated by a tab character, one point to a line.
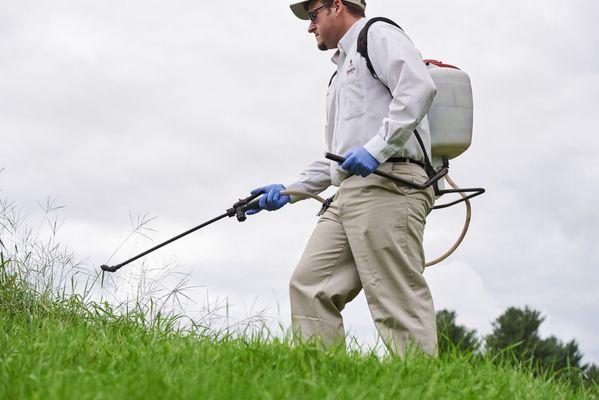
240	208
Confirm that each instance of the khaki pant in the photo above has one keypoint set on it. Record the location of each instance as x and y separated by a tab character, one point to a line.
370	238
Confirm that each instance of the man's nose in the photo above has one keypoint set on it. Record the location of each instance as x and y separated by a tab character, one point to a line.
311	27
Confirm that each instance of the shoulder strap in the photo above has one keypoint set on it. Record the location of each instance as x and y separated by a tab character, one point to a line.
363	41
363	44
363	50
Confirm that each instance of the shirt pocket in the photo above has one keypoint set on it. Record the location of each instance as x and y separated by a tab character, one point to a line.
352	97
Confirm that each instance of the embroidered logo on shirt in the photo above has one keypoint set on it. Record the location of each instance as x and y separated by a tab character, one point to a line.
351	68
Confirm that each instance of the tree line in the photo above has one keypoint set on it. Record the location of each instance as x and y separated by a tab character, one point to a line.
515	338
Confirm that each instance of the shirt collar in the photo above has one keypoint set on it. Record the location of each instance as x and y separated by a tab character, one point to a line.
347	41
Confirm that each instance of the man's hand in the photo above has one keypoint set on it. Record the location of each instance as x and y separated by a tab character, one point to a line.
271	199
360	162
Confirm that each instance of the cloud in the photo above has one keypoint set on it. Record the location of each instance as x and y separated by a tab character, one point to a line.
457	286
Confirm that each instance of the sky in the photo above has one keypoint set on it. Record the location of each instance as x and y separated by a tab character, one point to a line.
176	109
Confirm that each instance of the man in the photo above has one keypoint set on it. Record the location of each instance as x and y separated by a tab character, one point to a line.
371	235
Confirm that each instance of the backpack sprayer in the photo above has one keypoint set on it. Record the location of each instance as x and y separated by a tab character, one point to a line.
450	118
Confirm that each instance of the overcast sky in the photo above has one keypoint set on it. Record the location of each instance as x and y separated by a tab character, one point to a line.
179	108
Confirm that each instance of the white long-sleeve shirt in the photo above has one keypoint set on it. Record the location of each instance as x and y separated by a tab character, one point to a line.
360	110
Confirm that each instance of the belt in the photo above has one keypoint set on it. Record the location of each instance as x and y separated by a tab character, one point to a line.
406	160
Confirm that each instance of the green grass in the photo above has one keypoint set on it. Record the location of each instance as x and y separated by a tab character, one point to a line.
59	347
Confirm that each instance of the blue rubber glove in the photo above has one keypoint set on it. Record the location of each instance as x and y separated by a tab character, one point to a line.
271	199
360	162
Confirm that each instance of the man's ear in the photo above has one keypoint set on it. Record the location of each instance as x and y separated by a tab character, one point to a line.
338	6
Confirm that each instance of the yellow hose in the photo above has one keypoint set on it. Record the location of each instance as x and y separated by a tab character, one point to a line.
436	260
303	194
464	229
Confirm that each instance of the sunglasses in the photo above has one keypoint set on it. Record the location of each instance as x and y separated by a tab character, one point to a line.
314	13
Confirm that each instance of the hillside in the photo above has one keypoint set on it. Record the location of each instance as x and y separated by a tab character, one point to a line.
56	347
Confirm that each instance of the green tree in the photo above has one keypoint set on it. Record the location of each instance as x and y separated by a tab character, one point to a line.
453	336
518	330
553	353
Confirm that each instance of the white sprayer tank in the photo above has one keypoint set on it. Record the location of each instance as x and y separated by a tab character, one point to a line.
450	116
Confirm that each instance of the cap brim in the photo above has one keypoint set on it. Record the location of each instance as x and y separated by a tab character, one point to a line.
299	10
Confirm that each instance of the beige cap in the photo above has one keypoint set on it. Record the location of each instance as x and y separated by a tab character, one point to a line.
299	8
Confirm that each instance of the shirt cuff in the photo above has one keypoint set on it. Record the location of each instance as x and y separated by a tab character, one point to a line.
376	147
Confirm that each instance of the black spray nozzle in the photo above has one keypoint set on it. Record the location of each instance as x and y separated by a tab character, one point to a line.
108	269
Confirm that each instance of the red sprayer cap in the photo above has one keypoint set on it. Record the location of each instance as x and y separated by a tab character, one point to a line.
439	64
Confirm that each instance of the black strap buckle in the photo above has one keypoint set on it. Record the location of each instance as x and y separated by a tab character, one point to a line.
325	206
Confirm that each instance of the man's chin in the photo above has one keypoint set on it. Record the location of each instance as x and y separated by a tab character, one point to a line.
322	46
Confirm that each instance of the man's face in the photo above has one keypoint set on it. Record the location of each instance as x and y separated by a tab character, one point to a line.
323	27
